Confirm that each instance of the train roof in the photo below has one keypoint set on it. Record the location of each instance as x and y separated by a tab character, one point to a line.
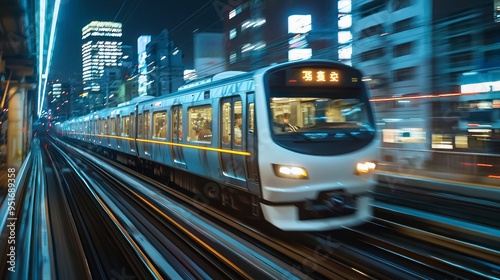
214	81
217	79
231	76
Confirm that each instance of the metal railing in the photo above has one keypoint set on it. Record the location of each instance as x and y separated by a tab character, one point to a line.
469	167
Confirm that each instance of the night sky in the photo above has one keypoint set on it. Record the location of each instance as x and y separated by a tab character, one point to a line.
139	17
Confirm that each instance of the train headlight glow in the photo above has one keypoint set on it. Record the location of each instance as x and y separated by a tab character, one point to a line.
365	167
288	171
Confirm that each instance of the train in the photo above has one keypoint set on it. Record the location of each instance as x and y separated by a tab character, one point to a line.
293	143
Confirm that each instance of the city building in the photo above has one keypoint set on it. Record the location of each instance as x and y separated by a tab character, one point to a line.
101	47
164	66
259	32
142	68
128	59
468	44
78	98
209	53
113	86
59	101
414	55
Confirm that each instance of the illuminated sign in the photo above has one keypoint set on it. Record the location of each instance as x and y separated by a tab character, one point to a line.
313	76
299	54
299	24
318	77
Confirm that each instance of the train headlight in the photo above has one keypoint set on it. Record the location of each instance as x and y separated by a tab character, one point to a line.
365	167
288	171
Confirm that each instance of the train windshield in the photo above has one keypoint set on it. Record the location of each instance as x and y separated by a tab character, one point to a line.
318	114
310	123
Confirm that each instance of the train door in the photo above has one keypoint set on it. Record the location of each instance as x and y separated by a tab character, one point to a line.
140	132
118	132
233	137
108	132
251	161
131	132
177	136
147	133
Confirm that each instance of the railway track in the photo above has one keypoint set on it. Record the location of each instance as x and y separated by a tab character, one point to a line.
171	235
367	255
123	225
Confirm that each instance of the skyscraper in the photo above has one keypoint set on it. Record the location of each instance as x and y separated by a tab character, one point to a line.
101	47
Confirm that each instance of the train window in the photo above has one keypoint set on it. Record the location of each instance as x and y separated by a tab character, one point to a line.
112	127
147	125
251	117
226	122
160	124
140	128
104	126
237	122
93	127
108	128
200	123
176	123
131	124
125	126
117	125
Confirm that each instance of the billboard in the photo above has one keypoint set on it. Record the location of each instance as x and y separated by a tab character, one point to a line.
209	54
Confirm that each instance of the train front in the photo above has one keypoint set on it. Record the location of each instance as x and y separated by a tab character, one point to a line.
317	148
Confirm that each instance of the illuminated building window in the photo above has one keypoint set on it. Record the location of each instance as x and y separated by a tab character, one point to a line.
345	6
299	54
246	24
345	21
232	33
344	37
235	12
299	24
232	58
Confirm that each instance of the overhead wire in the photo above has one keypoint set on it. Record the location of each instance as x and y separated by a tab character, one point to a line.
188	18
130	11
123	4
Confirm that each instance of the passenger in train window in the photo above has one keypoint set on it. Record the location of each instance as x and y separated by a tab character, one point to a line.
205	134
237	129
197	123
288	127
278	124
162	132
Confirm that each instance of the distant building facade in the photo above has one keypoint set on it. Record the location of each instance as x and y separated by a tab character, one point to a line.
101	47
164	66
209	54
416	57
259	32
142	68
59	101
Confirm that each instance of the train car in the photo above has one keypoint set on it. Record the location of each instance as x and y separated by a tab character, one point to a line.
294	143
